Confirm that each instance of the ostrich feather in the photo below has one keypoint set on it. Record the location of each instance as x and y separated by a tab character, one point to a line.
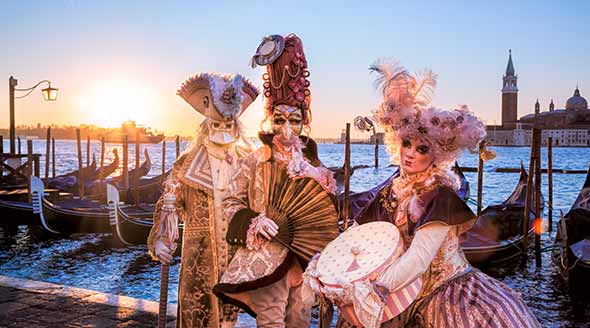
426	82
395	82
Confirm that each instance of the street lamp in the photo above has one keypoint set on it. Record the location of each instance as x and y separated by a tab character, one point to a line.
366	124
49	94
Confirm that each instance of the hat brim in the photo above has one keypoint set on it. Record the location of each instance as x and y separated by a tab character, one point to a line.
277	42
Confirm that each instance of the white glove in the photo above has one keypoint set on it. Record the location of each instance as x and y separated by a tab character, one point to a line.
163	252
260	226
266	227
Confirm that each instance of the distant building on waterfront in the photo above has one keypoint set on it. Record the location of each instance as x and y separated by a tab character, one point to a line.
567	127
361	139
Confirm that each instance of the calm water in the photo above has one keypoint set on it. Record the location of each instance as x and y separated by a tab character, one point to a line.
90	261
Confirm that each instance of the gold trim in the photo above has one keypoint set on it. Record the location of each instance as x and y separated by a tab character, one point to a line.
215	259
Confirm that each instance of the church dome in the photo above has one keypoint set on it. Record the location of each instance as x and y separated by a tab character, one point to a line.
576	102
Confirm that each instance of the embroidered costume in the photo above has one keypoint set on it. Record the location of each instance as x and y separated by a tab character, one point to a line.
200	179
430	216
264	277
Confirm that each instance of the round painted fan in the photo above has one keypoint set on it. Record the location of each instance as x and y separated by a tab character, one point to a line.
302	209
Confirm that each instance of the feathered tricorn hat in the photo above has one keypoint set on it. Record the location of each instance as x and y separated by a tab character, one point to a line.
285	80
219	97
404	112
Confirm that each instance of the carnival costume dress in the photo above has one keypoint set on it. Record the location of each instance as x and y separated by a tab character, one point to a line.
431	217
265	280
264	277
199	180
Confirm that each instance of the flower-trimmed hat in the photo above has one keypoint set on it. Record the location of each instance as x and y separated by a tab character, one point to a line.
404	113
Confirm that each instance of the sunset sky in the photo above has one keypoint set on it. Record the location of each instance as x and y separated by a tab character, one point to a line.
118	60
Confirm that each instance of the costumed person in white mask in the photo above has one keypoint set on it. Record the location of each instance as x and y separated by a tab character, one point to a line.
264	277
199	182
422	203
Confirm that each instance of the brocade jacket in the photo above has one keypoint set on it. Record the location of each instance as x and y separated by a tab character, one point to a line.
203	174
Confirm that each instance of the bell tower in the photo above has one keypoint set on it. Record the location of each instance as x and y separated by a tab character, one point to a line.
509	95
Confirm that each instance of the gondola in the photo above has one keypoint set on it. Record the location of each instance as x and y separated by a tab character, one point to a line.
105	171
95	190
496	236
571	251
16	209
69	182
131	229
71	215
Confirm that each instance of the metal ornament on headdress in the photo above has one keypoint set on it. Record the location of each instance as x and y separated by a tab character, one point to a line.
268	51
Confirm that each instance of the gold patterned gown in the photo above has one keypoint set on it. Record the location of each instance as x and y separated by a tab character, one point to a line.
250	269
203	173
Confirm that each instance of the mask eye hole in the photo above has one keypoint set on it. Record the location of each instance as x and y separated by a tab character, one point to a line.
422	149
216	125
406	143
206	102
279	121
228	126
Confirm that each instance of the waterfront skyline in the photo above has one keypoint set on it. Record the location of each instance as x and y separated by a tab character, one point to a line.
114	62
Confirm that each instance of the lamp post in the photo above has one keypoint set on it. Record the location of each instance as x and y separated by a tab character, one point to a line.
365	123
49	94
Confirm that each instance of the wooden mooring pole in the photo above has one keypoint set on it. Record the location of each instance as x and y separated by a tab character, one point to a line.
163	157
29	166
87	150
376	150
19	150
101	176
53	157
550	181
346	201
527	202
47	154
177	146
80	171
125	166
1	144
480	177
538	214
136	175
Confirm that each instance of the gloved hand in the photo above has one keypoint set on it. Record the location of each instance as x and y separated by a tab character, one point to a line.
260	226
265	226
269	228
163	252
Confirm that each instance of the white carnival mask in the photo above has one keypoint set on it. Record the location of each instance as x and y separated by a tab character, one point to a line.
222	132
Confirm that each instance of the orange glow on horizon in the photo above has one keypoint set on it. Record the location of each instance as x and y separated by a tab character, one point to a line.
113	102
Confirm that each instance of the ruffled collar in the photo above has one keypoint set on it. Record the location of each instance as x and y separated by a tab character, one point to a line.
406	191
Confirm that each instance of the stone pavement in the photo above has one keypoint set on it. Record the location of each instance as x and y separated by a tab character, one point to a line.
24	304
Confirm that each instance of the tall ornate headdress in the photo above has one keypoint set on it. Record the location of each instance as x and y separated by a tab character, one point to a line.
286	78
405	112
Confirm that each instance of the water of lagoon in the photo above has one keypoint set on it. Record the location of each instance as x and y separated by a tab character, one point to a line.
90	261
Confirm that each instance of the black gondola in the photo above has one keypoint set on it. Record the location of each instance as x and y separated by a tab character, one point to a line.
16	209
69	182
131	229
71	215
571	251
497	234
94	190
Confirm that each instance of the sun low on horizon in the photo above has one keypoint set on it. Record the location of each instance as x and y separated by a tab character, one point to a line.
109	103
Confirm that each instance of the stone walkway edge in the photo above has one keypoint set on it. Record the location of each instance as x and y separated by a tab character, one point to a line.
86	295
